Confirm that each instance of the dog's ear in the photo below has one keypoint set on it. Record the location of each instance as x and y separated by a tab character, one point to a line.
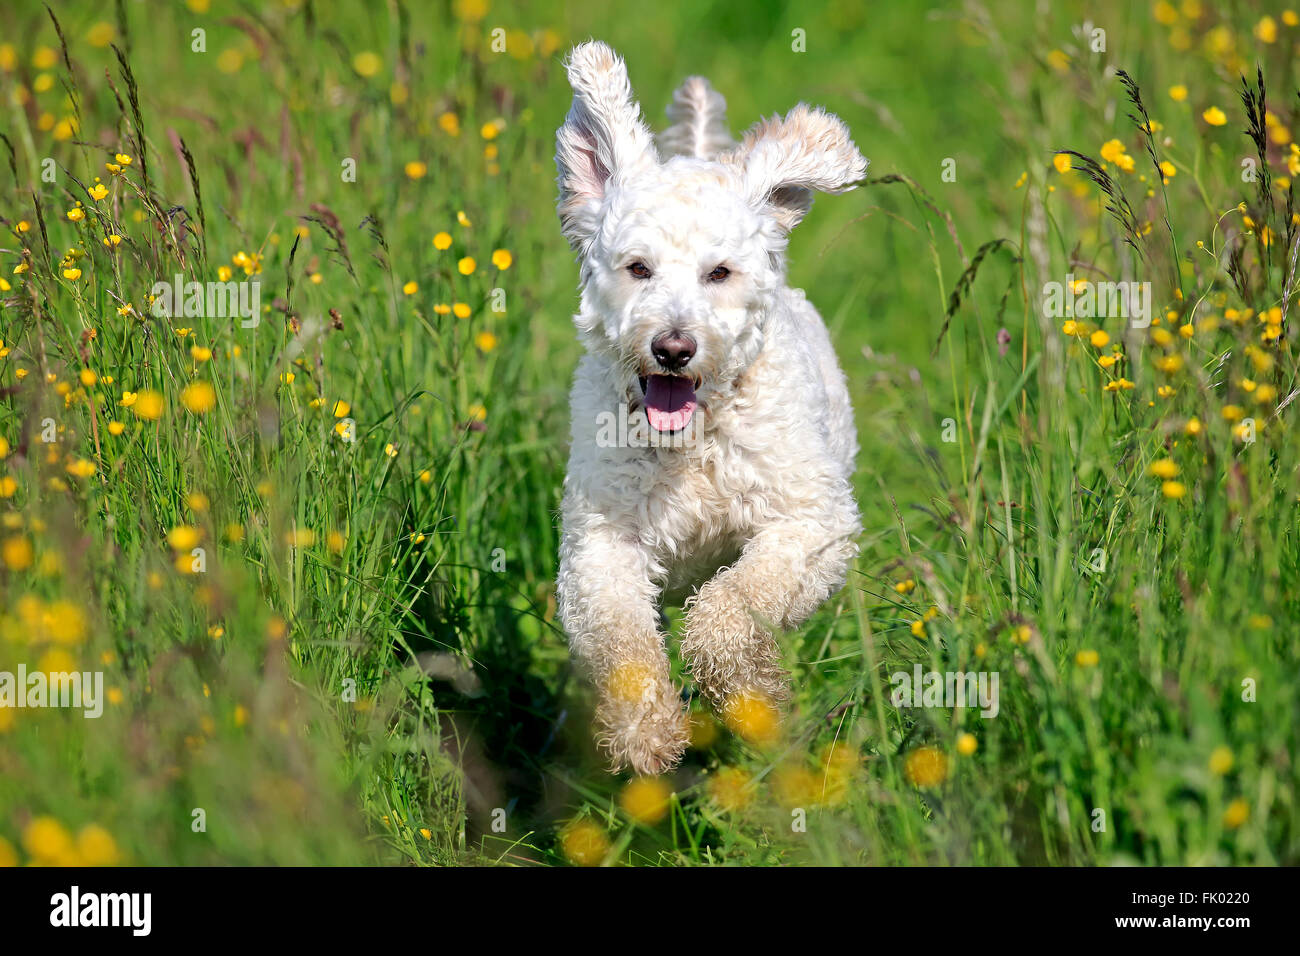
698	115
603	138
783	160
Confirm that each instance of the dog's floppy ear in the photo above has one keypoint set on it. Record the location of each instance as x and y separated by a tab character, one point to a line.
784	160
698	115
603	137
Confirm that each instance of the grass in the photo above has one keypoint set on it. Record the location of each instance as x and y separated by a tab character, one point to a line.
362	664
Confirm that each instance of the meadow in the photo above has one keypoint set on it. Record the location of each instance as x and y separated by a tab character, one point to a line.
311	547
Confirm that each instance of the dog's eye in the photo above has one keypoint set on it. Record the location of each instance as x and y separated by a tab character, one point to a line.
639	270
719	274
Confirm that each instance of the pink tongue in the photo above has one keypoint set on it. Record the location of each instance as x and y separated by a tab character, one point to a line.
669	402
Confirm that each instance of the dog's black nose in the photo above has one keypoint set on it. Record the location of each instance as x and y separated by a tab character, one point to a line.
673	350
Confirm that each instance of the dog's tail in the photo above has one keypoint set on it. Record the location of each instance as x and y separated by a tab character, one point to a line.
698	115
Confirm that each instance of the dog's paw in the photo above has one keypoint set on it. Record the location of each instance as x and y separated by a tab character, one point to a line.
642	722
730	651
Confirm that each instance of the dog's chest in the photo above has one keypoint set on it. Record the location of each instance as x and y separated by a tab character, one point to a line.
698	511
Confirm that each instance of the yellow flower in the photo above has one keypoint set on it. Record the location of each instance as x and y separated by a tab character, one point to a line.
502	259
462	218
81	468
1193	426
183	538
76	214
1232	413
96	847
300	538
98	191
466	266
1070	327
123	159
1266	30
905	587
341	409
442	241
1087	659
16	552
926	767
1112	150
46	840
1173	489
646	799
795	785
1164	468
966	744
390	450
1221	761
147	404
1178	92
367	64
731	789
752	717
199	397
72	275
1214	116
199	353
1062	162
416	169
584	843
100	35
460	310
449	123
1168	169
1237	813
112	241
411	288
486	341
1099	339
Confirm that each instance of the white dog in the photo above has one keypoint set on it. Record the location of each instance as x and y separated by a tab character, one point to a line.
689	328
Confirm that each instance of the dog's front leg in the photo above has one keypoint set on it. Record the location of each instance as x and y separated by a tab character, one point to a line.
607	605
784	573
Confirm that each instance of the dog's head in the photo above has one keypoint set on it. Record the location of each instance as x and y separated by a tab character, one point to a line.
681	257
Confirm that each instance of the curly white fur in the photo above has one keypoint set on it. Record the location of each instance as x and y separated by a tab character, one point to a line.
752	521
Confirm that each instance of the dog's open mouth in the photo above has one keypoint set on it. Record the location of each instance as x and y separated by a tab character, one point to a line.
669	401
